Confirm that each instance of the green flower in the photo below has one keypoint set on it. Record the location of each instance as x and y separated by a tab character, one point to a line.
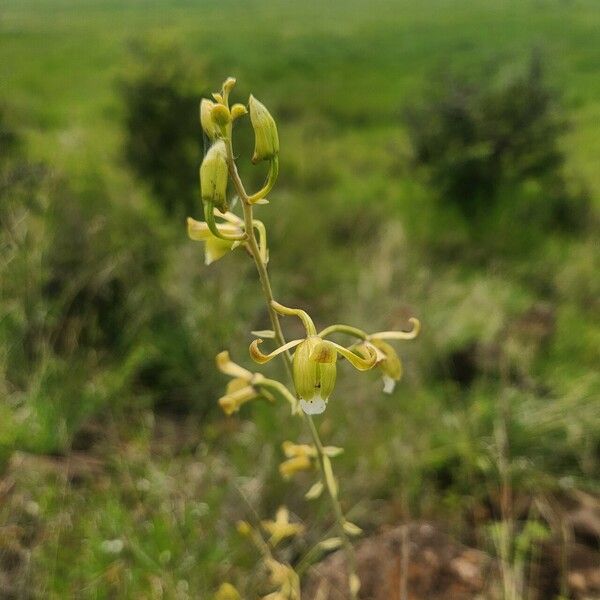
314	366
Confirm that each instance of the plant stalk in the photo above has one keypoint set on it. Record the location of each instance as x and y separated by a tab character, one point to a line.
261	267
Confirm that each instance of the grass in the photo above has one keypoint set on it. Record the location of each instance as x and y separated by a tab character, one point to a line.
157	521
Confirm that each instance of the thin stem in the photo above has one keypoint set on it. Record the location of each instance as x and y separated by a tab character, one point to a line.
337	509
263	274
252	244
271	179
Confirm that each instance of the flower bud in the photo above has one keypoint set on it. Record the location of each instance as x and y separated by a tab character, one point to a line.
237	111
206	120
214	175
266	138
220	115
314	371
228	85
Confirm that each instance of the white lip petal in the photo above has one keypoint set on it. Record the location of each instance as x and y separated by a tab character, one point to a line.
388	384
316	406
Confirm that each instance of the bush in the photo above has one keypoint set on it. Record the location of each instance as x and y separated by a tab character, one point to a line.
484	141
163	141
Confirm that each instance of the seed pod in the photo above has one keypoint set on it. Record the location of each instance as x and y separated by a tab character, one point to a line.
266	139
214	175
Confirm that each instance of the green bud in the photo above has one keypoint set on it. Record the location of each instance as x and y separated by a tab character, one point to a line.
266	139
214	176
314	371
237	111
209	126
220	115
228	85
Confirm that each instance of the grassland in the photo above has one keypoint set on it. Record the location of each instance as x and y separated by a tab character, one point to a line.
136	504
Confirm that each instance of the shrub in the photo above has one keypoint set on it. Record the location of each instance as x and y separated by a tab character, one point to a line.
160	91
487	140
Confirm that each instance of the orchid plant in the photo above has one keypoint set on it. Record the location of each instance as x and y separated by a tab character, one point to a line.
311	361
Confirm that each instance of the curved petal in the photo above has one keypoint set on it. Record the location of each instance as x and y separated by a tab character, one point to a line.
198	230
400	335
261	358
358	362
228	367
296	312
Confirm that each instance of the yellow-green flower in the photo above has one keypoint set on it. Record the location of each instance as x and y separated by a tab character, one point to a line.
208	125
314	366
266	138
214	175
286	580
246	386
390	365
299	458
215	247
280	528
387	359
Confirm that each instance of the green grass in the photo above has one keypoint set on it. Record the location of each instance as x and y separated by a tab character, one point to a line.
339	74
60	58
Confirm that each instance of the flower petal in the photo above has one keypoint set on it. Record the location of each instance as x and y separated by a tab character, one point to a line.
400	335
228	367
261	358
314	406
358	362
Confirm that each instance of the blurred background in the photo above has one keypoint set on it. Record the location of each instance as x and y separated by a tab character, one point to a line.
438	159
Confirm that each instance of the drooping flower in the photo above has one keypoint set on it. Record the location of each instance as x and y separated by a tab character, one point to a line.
387	359
286	580
314	366
299	458
215	247
246	386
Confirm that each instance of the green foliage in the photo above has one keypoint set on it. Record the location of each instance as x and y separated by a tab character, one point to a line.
160	88
105	306
489	138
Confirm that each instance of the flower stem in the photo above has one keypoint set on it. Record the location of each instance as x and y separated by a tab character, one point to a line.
263	275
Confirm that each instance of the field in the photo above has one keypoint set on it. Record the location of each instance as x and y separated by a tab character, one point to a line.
120	478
